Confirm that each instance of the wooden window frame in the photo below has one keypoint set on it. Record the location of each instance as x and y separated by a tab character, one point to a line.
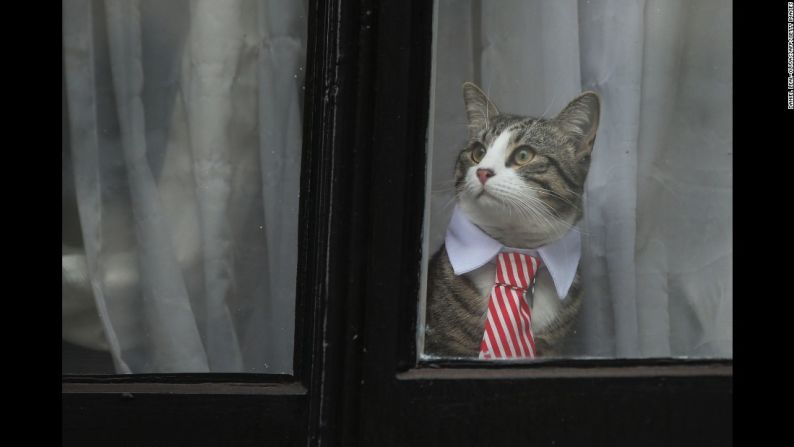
456	402
253	409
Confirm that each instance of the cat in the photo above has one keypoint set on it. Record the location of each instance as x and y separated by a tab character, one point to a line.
531	195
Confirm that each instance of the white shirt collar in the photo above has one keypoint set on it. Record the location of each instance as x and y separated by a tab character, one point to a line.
469	248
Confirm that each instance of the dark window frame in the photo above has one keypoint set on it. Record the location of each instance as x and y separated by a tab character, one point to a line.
250	409
458	402
356	379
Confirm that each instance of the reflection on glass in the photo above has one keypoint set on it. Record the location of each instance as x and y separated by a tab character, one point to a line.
182	137
579	181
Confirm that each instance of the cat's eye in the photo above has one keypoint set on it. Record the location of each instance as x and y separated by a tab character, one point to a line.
477	153
523	155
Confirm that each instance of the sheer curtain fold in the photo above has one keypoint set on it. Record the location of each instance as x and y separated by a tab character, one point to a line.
280	68
657	227
181	177
612	39
79	60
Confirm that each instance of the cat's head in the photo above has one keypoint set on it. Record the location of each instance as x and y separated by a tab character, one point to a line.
521	179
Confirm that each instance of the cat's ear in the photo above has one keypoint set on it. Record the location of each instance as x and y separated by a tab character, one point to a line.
580	119
479	108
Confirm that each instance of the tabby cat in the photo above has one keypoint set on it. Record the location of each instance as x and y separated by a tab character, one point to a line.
520	180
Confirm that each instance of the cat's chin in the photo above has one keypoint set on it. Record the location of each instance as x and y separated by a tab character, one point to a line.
488	200
485	208
509	226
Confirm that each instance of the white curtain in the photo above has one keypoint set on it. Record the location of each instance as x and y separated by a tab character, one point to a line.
184	140
657	230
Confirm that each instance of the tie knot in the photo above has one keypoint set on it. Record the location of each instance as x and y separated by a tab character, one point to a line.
516	269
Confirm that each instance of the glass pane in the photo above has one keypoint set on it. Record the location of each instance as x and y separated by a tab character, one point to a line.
181	162
542	240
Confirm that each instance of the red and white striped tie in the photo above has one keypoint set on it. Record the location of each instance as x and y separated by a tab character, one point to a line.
508	325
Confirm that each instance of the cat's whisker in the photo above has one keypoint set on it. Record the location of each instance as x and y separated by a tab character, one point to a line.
445	182
548	209
574	193
449	202
543	213
540	211
551	213
553	98
529	211
553	194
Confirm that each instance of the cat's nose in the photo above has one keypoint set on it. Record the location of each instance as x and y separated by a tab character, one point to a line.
484	175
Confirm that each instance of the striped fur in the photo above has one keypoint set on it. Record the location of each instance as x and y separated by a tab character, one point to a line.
527	203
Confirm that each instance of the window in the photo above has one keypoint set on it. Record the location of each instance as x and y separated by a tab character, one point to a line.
183	167
355	377
651	209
